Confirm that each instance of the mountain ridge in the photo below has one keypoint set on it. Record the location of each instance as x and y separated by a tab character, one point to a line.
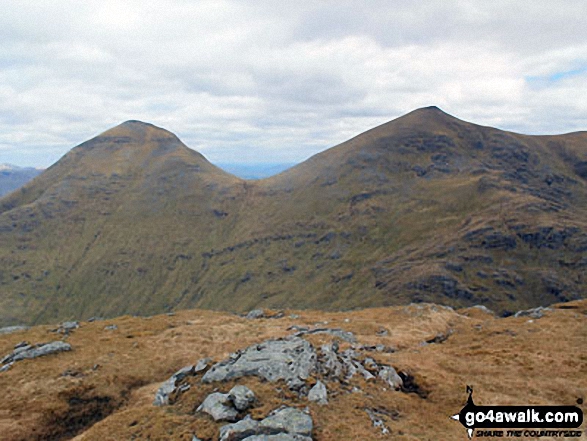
424	208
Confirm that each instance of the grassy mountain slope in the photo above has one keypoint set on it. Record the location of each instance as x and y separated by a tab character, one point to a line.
423	208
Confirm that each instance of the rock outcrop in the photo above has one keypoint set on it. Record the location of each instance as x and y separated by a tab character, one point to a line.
290	359
283	424
172	386
26	351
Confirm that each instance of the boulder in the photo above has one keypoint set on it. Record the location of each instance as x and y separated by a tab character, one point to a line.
202	365
67	327
287	420
290	359
255	314
240	430
171	386
242	397
318	393
283	424
389	375
219	407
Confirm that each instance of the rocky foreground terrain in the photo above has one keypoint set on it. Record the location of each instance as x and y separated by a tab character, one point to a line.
393	373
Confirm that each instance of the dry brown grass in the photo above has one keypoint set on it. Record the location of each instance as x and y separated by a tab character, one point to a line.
116	373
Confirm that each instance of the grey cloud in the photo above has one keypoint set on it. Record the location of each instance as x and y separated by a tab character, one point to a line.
280	80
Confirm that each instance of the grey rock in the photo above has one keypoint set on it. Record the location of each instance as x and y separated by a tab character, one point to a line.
484	309
219	407
318	393
287	420
67	327
242	397
283	424
28	352
195	438
330	365
255	314
389	375
202	365
344	335
95	319
377	422
171	386
11	329
350	363
534	313
298	328
240	430
6	366
279	437
291	360
361	370
370	364
294	316
111	328
377	348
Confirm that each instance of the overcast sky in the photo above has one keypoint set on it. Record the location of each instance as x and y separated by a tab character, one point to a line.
277	81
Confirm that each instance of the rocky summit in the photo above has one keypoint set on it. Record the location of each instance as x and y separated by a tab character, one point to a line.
425	208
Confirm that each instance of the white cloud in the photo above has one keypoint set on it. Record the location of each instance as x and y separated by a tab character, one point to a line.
279	81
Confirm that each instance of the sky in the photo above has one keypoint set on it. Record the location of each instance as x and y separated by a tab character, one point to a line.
261	81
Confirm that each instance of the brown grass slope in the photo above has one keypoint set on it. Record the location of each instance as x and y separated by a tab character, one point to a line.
104	388
424	208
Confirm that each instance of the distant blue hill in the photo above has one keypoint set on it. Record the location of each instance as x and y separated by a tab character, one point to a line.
13	177
254	171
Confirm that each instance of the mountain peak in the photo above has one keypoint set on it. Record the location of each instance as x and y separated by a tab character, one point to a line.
139	130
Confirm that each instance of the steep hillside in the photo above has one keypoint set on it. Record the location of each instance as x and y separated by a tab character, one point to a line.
424	208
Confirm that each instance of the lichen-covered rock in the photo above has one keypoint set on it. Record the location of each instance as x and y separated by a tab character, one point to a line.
291	360
219	407
242	397
170	387
318	393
